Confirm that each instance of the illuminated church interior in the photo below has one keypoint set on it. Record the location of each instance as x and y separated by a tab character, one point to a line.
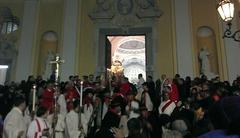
176	50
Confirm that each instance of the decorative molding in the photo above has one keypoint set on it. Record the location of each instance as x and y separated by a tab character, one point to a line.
125	13
7	48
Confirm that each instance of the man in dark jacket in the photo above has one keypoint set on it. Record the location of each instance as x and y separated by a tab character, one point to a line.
111	120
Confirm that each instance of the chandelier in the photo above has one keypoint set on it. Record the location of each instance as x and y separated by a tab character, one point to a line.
225	9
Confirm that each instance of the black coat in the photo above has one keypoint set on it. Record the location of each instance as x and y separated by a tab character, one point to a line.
110	120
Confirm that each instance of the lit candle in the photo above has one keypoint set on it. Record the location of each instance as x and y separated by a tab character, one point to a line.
81	93
34	98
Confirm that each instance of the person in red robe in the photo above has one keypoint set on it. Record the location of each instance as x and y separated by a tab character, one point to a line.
125	87
173	94
48	96
71	95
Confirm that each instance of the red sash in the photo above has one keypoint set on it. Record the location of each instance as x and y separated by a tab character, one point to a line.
39	127
166	105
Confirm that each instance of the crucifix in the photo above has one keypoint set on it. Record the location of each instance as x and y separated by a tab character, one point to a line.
58	62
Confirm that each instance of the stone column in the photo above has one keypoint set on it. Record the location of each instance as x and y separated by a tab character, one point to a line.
183	38
69	38
28	30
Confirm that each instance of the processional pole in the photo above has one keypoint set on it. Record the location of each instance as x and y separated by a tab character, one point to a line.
58	62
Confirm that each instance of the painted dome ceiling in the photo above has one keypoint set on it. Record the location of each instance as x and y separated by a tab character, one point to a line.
132	45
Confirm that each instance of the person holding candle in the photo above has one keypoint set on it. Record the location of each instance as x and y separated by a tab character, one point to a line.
39	127
73	129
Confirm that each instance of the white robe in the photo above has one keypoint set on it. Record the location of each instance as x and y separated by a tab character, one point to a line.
27	117
14	123
63	104
72	123
139	83
33	129
60	126
88	110
149	103
104	111
167	110
134	106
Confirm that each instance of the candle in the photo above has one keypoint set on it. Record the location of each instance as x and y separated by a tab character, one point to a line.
81	93
34	98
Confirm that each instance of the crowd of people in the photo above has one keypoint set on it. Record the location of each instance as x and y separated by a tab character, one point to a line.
115	108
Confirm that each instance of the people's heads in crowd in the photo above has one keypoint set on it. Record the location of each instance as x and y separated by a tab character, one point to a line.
43	84
42	112
31	78
134	127
69	84
76	105
85	78
167	88
124	80
112	120
199	112
204	78
97	101
39	78
180	126
76	78
91	77
98	79
140	76
50	85
106	100
115	106
188	79
225	114
164	120
180	81
163	77
71	78
168	81
145	86
165	94
20	102
177	76
194	91
149	78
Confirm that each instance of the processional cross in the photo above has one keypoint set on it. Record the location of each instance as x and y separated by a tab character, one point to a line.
58	62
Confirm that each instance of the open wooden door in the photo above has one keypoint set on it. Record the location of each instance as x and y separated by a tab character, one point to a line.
108	57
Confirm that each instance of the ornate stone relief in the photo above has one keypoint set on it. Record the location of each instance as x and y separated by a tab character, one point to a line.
125	13
7	47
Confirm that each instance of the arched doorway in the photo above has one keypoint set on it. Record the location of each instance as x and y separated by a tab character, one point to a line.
102	53
130	51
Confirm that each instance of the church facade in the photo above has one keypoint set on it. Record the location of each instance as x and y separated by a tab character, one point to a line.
176	32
